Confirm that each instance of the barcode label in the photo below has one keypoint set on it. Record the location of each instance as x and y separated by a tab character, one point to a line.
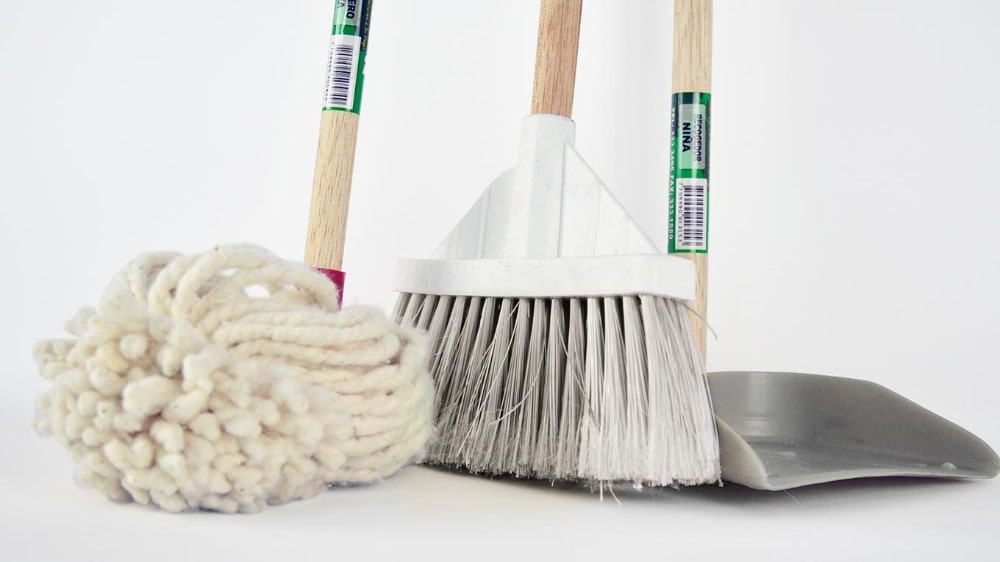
342	72
691	214
690	120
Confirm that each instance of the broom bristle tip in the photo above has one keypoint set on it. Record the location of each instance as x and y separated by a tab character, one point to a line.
592	389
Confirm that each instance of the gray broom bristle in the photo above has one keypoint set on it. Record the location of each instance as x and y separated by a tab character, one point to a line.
607	389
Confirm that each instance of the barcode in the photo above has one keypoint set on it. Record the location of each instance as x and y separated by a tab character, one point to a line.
342	71
691	214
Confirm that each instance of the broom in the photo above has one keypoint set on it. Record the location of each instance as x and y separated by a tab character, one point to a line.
561	345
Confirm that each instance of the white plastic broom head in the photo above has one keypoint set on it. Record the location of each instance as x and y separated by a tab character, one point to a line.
560	347
550	205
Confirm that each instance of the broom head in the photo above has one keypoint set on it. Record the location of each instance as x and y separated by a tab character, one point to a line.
561	342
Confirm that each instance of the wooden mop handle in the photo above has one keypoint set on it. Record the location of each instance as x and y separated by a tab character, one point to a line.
555	59
331	190
338	136
692	73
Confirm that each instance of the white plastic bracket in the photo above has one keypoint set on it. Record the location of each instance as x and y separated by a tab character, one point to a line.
550	205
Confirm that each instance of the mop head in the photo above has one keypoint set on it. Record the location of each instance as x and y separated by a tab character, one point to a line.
228	381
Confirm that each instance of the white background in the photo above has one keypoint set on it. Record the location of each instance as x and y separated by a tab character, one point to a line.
854	225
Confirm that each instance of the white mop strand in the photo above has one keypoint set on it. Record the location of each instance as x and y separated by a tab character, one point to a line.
229	380
595	389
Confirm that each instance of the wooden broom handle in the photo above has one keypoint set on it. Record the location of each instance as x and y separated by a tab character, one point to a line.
331	190
692	72
555	58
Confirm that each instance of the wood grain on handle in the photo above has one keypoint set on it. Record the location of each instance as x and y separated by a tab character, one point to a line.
692	72
555	58
331	190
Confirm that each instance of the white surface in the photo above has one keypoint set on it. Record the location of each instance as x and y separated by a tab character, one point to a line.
853	222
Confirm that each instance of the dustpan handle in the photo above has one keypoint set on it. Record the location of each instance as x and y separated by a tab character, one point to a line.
555	58
692	64
692	76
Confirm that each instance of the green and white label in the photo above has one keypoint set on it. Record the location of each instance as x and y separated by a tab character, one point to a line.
690	119
348	45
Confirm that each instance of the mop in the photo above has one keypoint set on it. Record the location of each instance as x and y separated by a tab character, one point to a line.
230	380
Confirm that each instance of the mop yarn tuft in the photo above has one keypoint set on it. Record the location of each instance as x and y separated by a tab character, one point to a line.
229	380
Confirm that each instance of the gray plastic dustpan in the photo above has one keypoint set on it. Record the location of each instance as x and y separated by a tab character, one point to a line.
786	430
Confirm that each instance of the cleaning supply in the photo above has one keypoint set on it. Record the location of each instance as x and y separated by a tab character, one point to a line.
230	380
560	340
691	119
338	140
227	381
784	430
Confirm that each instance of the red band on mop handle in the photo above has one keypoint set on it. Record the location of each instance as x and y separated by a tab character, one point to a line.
337	277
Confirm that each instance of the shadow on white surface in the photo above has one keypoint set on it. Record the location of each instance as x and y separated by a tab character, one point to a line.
856	492
450	515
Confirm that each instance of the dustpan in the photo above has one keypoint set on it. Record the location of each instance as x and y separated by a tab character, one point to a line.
786	430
